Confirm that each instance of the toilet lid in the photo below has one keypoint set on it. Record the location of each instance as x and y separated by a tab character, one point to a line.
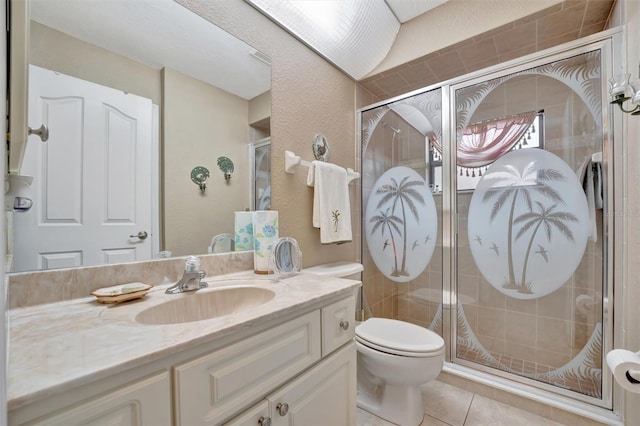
398	337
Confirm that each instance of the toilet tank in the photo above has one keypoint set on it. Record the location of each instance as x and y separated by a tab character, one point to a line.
349	270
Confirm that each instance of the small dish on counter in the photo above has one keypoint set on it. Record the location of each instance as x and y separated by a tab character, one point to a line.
121	293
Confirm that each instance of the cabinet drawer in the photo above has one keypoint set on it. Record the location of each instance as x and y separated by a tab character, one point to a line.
338	324
145	402
209	389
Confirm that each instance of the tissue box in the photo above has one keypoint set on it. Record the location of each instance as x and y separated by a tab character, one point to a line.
265	233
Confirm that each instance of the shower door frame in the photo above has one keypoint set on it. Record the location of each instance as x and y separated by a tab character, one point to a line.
608	43
612	242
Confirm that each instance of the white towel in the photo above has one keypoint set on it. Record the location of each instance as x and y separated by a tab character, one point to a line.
591	202
588	181
331	207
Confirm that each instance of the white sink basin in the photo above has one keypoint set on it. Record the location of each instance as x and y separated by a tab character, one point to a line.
198	306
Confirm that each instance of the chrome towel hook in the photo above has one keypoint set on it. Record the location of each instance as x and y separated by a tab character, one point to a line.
41	131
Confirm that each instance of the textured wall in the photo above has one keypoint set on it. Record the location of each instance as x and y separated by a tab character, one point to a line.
309	96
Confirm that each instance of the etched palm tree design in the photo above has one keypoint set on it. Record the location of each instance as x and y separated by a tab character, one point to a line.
405	194
385	221
547	217
510	182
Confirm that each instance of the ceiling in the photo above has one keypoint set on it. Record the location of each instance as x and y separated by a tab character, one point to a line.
354	35
161	33
406	10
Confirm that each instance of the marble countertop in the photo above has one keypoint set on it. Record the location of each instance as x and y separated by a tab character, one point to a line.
59	346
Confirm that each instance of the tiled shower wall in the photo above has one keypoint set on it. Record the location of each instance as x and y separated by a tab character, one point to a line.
560	23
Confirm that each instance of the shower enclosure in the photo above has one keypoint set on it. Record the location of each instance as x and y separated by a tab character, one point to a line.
485	218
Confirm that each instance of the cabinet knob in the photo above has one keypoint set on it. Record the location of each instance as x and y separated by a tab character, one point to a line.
282	408
264	421
344	325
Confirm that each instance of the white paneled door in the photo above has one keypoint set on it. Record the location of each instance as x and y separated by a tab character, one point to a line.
92	178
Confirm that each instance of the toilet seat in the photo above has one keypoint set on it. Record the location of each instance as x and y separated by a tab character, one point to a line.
399	338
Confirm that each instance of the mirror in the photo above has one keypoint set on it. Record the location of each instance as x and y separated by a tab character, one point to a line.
204	95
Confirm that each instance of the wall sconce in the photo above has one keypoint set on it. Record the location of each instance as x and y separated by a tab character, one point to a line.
619	86
226	165
199	176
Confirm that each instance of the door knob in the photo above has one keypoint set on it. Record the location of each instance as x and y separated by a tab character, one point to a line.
41	131
142	235
344	325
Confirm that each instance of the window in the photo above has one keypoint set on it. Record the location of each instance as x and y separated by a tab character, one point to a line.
483	143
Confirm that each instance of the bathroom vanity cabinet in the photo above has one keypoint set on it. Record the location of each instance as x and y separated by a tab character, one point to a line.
300	369
325	394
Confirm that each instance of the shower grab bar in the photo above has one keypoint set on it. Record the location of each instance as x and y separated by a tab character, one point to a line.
291	161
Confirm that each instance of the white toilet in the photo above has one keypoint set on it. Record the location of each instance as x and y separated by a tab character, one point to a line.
395	358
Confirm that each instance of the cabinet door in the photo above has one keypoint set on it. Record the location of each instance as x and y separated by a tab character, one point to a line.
324	395
146	402
212	388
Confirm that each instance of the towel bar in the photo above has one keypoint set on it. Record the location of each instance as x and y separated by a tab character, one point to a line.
291	161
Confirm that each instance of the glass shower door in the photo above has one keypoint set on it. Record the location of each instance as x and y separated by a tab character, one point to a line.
402	210
531	230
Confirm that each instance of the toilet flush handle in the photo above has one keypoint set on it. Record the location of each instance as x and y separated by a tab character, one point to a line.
344	325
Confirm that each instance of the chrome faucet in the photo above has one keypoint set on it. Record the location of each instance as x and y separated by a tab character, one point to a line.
191	280
221	237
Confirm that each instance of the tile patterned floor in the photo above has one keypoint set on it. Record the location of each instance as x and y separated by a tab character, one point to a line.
447	405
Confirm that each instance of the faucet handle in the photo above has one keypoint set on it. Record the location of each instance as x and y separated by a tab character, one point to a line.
191	264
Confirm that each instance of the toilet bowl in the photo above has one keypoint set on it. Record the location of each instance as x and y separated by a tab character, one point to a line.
395	358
